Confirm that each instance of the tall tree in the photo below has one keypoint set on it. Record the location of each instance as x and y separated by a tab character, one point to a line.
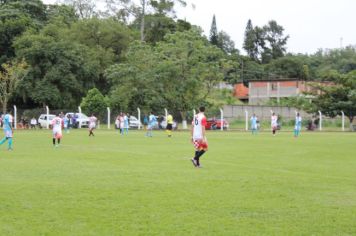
250	41
214	37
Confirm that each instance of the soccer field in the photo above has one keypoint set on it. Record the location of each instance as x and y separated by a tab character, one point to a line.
133	185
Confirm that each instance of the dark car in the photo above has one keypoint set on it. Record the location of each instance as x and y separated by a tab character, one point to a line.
214	123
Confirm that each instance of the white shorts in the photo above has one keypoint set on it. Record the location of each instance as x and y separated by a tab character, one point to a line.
57	132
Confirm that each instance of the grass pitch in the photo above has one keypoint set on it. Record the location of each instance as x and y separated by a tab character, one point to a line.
133	185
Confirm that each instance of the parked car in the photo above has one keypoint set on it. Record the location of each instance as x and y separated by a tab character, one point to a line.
134	123
81	120
213	123
42	120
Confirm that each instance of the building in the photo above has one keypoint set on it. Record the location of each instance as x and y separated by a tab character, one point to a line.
261	91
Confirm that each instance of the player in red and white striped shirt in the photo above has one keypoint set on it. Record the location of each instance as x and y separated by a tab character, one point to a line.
198	136
57	124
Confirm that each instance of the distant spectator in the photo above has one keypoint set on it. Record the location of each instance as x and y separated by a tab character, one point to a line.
33	123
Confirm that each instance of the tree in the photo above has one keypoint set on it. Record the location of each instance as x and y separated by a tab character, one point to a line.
84	8
134	82
190	69
94	103
226	44
276	41
60	71
214	37
250	41
339	97
125	8
10	76
15	18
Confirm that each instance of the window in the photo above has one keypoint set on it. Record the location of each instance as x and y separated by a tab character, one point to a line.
274	87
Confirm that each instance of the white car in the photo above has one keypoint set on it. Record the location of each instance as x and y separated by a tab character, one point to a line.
42	120
134	122
81	120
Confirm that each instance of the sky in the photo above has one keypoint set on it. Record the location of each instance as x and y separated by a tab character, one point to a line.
311	24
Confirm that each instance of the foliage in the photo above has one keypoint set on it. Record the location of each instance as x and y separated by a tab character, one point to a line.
178	74
59	71
94	103
341	96
213	37
10	77
266	43
250	41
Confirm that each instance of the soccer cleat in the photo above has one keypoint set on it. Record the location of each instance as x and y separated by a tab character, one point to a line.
194	162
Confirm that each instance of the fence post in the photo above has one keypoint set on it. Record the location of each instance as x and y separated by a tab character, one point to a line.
222	119
166	114
320	120
246	120
343	120
15	117
109	116
47	118
139	118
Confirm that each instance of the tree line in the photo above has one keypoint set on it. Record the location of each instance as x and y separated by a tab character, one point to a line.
137	53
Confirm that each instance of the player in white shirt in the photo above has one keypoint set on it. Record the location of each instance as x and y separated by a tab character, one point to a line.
57	124
274	123
198	136
92	124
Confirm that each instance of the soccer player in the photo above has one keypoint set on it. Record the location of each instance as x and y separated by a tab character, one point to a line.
152	121
198	136
66	124
121	118
126	124
7	126
274	123
92	124
254	124
57	124
169	126
298	125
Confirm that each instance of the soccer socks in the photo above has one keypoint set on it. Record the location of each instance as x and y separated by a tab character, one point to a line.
3	140
9	144
198	154
54	141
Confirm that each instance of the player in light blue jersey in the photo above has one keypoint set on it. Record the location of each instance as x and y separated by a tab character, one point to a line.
253	121
8	132
152	121
298	125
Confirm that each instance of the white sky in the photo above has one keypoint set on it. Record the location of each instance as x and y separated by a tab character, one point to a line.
311	24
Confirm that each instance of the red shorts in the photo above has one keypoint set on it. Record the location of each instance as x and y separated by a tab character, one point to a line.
200	145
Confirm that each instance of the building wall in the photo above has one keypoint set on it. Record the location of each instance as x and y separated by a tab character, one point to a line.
261	92
233	112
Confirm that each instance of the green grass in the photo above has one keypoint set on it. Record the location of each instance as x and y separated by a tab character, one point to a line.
133	185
